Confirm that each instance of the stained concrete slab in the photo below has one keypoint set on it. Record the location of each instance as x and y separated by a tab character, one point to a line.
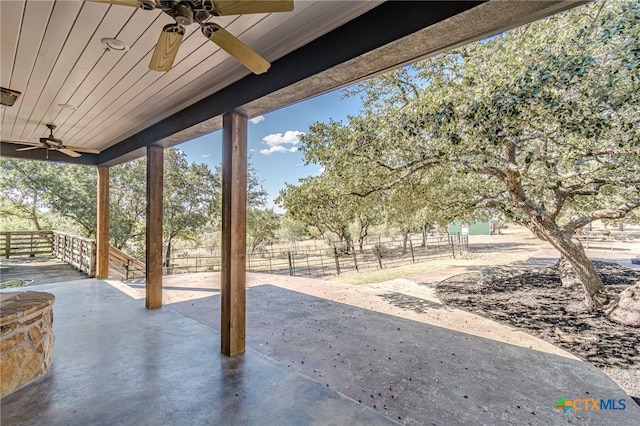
38	270
417	373
116	363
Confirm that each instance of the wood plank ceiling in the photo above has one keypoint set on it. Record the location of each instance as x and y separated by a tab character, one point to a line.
109	100
52	53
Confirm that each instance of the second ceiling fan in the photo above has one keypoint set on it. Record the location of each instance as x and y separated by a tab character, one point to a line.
187	12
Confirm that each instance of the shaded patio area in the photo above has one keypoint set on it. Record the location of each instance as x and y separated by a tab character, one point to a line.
309	360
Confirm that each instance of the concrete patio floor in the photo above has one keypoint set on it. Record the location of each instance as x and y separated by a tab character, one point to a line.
116	363
310	360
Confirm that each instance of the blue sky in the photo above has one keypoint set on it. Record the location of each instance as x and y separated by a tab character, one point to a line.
273	140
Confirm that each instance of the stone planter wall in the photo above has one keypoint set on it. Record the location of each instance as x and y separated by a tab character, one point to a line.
26	342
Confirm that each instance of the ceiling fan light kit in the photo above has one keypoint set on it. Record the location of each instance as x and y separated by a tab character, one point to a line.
8	97
187	12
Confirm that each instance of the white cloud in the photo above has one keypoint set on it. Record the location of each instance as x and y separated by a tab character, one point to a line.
289	137
205	155
277	142
321	170
256	120
272	149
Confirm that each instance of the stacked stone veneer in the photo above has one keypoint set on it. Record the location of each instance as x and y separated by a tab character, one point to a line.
26	343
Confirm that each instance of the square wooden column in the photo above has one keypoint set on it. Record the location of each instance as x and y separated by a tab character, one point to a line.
155	175
102	232
234	231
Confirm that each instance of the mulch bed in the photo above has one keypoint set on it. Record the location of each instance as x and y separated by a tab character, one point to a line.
535	302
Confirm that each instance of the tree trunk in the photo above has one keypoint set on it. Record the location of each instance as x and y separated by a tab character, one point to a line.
595	293
34	212
405	238
568	276
167	257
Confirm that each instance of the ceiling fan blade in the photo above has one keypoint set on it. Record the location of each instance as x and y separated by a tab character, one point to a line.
29	148
167	48
132	3
235	7
82	149
69	152
35	144
233	46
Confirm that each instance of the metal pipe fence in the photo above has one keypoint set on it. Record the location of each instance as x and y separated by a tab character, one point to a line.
323	260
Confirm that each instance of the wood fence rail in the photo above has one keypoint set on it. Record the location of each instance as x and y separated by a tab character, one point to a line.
77	251
26	243
124	267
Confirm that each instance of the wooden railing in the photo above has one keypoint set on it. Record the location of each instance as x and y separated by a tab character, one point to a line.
124	267
26	243
77	251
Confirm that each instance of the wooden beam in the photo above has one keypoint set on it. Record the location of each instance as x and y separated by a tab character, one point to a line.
102	232
155	172
234	231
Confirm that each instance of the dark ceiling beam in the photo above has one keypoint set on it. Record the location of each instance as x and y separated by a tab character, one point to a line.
384	24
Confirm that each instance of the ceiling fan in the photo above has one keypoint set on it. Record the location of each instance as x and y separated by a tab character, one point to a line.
53	144
187	12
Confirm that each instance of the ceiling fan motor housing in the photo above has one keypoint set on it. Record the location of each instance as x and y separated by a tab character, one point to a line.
148	4
182	14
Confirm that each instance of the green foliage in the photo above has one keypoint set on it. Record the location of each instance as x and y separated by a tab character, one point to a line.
540	124
34	190
39	195
262	226
315	202
127	206
542	121
292	230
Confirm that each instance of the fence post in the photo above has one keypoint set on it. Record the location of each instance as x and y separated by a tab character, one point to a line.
92	260
126	275
379	254
290	264
413	259
453	248
335	255
7	245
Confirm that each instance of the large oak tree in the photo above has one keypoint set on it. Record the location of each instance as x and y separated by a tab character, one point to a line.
540	124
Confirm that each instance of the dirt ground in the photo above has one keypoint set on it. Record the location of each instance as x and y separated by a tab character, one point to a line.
410	292
534	301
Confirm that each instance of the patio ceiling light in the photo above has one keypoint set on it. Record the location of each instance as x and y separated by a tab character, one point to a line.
114	44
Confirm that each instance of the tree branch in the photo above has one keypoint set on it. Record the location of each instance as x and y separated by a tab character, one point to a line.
617	213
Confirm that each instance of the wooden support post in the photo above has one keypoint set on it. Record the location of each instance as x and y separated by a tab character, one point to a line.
102	233
7	245
155	172
234	230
